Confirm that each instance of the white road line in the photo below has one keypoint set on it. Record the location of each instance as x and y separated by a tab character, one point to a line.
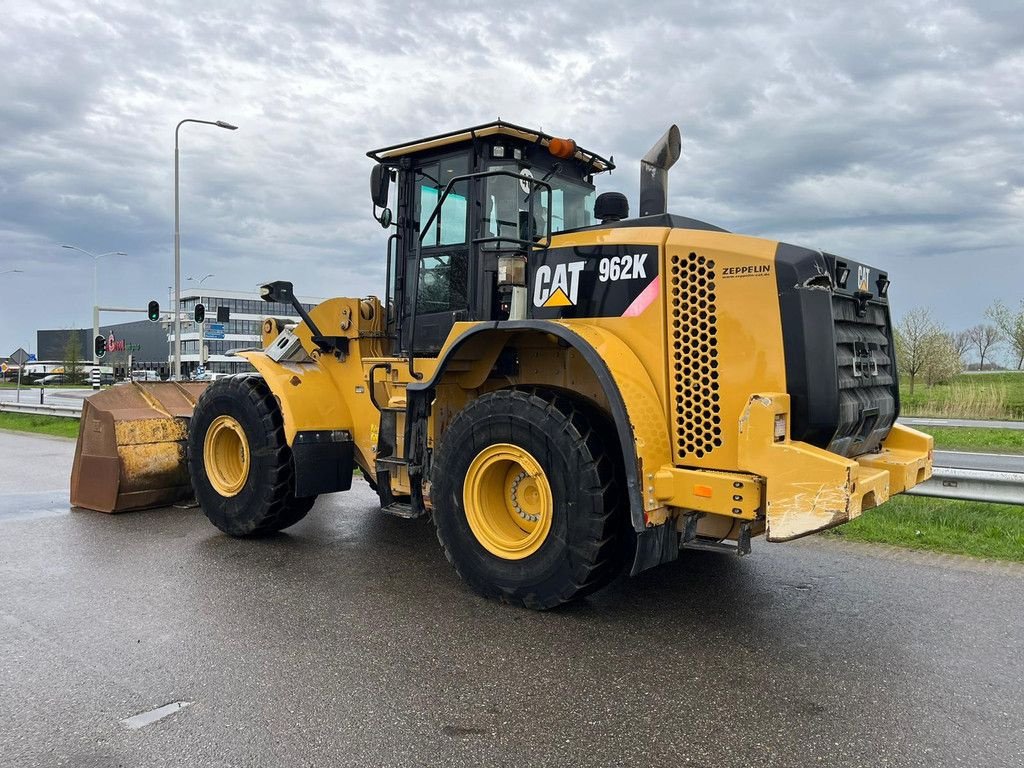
143	719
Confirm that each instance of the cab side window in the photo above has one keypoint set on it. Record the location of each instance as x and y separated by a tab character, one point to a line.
449	227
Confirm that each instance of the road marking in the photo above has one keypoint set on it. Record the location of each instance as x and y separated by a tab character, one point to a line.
143	719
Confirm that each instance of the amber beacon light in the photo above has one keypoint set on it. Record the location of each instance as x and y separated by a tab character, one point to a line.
562	148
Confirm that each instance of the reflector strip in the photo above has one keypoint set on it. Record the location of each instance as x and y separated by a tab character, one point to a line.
645	299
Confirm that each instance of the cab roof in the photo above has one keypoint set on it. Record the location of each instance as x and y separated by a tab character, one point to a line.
496	128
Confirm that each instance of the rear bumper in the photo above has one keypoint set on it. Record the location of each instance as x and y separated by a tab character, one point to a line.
808	489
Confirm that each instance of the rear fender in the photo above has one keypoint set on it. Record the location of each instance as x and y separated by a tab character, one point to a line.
633	401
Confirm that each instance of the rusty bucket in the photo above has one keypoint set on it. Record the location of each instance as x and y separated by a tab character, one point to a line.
131	447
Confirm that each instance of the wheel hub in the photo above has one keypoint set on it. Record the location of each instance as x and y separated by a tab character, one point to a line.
508	501
226	455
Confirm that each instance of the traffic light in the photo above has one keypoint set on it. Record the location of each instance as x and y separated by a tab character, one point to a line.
223	314
154	311
99	345
200	314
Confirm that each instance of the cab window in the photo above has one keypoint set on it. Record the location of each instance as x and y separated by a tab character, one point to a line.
449	227
572	204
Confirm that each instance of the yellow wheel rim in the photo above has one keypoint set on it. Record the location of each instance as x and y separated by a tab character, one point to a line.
508	502
226	455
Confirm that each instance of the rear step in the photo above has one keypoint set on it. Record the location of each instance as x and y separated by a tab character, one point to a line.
690	540
401	509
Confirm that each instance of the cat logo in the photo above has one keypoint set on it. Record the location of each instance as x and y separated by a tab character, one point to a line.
863	278
558	285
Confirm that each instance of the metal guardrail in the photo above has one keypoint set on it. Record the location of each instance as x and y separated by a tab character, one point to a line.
973	485
67	411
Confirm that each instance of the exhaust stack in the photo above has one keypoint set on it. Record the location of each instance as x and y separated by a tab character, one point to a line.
654	172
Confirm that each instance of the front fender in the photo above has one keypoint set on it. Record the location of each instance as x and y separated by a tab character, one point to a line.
308	396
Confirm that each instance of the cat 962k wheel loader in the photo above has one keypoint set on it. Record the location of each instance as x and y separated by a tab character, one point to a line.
565	388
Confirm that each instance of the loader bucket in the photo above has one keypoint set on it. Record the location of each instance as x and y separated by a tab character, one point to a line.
131	447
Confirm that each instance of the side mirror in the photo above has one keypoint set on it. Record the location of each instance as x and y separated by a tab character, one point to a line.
380	182
280	291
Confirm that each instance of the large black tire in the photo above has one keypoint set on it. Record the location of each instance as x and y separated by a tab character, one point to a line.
582	551
265	500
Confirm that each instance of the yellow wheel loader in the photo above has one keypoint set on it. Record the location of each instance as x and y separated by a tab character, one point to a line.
565	388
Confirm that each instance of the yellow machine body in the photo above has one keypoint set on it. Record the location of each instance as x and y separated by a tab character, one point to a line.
749	386
707	416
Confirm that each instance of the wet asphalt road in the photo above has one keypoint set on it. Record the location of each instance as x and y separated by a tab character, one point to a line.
998	462
350	641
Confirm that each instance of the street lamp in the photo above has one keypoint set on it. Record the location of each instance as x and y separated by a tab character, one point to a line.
10	271
177	241
95	300
200	279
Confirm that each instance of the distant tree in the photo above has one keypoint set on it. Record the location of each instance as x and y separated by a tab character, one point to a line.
983	337
918	339
943	360
960	342
1010	323
72	358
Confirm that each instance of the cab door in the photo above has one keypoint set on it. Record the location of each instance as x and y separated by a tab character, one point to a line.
440	267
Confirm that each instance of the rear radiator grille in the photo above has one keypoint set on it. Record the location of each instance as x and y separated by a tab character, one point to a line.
693	336
867	386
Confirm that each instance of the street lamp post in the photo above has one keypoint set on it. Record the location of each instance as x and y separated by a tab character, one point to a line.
177	241
20	364
95	281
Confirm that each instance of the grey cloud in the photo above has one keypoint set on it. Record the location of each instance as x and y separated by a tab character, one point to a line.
888	131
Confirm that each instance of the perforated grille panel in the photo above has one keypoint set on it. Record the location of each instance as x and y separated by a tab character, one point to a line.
693	336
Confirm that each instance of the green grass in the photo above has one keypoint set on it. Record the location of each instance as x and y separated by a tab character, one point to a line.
968	396
943	525
978	439
43	425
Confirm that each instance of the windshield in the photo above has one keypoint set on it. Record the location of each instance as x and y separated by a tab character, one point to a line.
572	203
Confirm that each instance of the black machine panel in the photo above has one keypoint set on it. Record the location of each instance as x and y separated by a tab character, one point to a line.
840	357
592	281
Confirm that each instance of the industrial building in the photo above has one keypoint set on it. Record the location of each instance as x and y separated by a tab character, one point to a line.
148	345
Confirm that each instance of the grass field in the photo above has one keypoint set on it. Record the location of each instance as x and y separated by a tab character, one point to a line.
968	396
942	525
979	440
43	425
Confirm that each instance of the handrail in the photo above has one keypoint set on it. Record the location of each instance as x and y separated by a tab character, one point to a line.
388	296
529	243
372	387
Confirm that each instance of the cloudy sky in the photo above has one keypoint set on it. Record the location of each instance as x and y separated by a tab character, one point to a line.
889	132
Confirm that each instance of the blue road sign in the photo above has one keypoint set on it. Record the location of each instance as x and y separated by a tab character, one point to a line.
215	331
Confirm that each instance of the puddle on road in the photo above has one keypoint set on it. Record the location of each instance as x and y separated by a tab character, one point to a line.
143	719
28	506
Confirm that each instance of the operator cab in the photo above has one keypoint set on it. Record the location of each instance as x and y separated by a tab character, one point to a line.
469	206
